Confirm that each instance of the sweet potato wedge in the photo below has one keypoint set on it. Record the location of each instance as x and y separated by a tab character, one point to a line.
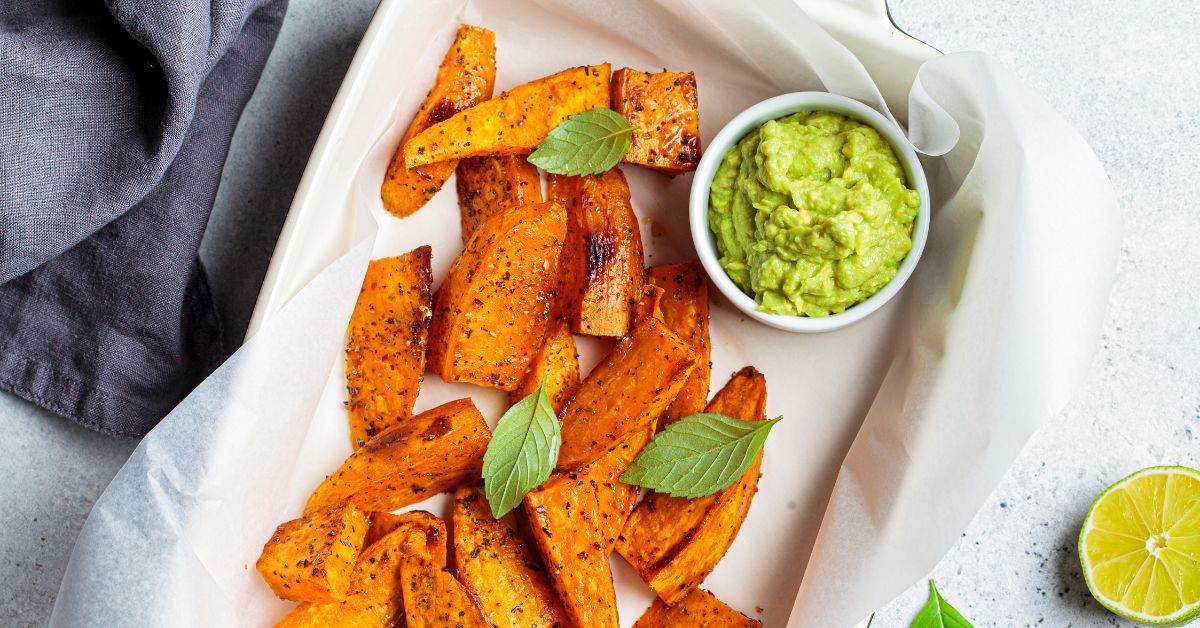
674	543
466	77
563	515
385	343
616	499
434	599
572	262
650	305
499	568
429	453
384	523
665	109
514	122
489	185
697	608
309	559
683	306
605	257
625	393
490	313
375	598
558	362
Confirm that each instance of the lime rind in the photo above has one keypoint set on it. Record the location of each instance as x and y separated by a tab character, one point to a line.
1150	567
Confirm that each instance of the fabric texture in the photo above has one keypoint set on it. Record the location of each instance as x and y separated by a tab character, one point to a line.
115	121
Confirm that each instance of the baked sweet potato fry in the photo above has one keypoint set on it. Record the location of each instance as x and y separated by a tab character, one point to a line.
674	543
572	262
309	559
384	523
499	568
429	453
434	599
650	305
616	499
665	109
489	185
683	306
558	362
385	343
605	261
490	313
563	516
466	77
625	394
375	598
514	122
698	608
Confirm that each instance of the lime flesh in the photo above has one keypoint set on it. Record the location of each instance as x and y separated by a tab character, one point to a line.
1140	546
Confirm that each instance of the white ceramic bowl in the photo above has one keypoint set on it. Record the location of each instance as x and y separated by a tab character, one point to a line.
778	107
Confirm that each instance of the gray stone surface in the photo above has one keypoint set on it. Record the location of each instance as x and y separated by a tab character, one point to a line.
1124	73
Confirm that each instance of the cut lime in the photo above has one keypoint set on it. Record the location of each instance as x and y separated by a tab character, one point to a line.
1140	546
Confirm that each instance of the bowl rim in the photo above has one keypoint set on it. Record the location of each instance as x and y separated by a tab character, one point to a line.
773	109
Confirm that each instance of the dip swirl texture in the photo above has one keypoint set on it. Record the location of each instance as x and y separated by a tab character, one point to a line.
811	213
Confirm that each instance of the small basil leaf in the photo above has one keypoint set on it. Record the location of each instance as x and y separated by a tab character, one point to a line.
522	452
698	455
938	613
587	143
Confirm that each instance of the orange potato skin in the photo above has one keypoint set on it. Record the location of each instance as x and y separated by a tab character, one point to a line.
625	394
698	608
674	543
431	452
375	598
466	77
664	107
513	122
385	343
683	307
564	520
499	567
309	559
605	260
434	599
491	312
489	185
558	362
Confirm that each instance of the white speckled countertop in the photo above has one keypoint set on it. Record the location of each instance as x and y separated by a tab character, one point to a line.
1126	74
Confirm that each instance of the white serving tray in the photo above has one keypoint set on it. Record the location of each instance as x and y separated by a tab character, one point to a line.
313	236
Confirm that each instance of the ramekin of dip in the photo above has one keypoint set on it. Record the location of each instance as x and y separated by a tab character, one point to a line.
809	211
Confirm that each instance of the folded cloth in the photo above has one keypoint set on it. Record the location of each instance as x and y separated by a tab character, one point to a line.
115	121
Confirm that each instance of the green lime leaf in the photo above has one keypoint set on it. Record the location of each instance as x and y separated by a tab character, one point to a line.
698	455
522	452
938	613
587	143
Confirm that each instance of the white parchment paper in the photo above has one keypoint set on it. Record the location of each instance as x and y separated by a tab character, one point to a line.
896	428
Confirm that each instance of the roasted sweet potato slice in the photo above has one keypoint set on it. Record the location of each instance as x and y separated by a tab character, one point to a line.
490	313
564	517
384	523
664	107
604	275
625	393
489	185
616	498
434	599
674	543
309	559
698	608
375	598
683	306
514	122
385	343
557	362
572	262
466	77
429	453
499	568
650	305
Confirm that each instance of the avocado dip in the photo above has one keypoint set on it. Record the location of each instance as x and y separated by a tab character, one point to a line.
811	213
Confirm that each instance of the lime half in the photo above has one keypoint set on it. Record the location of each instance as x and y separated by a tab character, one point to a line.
1140	546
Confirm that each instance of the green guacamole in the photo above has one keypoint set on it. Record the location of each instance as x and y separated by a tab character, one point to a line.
811	213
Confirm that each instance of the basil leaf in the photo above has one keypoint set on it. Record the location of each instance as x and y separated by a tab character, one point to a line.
938	613
587	143
698	455
522	452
